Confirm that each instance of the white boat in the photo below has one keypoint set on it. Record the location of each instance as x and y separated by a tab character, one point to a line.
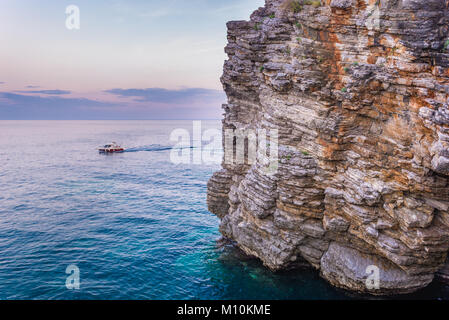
113	147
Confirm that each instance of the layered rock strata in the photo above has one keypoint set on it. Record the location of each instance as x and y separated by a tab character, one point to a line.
358	90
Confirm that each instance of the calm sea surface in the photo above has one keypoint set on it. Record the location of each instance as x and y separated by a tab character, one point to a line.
135	225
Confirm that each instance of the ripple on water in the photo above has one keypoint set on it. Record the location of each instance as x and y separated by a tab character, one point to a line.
135	224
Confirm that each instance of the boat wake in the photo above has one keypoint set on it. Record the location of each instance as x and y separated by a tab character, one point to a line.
154	148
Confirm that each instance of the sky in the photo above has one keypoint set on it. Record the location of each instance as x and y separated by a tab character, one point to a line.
129	59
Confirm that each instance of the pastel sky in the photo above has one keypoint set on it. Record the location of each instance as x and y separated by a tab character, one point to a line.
131	59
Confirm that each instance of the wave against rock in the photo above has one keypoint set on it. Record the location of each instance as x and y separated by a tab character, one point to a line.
358	90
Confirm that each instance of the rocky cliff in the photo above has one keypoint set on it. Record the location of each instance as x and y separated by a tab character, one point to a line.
358	90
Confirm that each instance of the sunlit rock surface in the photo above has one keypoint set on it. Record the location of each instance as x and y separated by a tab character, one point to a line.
358	90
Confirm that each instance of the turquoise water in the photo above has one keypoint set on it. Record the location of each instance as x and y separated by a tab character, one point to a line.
135	225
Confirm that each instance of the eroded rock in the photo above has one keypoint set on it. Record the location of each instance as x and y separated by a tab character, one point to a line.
358	91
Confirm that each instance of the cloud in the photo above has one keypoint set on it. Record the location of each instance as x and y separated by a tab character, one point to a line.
149	104
181	96
24	107
48	92
1	82
32	87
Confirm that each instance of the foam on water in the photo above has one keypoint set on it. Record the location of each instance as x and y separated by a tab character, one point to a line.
154	148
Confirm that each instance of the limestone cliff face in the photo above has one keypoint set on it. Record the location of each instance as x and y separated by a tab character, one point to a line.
358	90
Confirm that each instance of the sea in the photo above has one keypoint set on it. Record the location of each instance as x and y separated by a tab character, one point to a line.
133	225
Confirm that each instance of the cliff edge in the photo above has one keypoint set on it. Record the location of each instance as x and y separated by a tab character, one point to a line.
358	91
